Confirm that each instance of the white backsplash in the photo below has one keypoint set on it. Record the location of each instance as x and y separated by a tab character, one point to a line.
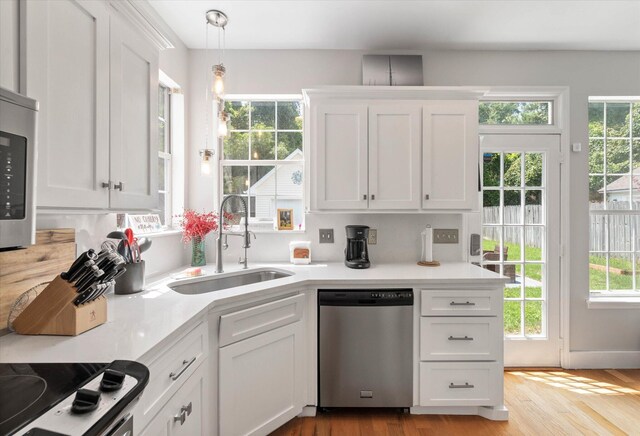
398	239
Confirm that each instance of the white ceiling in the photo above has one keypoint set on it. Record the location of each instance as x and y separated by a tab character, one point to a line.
411	25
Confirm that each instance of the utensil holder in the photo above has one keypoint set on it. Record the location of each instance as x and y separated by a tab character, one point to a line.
52	312
132	281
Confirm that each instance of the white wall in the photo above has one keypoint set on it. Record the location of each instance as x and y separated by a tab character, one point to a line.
10	44
587	73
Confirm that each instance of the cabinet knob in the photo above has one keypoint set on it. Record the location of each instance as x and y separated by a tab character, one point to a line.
426	196
119	186
107	185
180	417
373	196
364	197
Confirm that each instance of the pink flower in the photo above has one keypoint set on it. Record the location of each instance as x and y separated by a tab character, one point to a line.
198	225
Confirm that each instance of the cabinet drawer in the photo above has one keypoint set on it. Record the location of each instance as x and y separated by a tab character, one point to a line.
250	322
460	384
172	367
460	303
452	338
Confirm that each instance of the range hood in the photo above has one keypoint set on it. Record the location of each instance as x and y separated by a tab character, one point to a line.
392	70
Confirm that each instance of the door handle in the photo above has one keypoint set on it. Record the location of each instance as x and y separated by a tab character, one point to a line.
468	303
458	338
464	386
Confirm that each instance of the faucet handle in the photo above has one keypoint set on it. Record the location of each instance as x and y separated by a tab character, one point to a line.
240	260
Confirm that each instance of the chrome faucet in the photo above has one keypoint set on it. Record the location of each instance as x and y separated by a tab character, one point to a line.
247	234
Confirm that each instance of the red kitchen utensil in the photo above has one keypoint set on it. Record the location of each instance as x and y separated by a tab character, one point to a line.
129	234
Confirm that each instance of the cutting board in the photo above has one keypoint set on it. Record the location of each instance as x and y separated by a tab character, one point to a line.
21	269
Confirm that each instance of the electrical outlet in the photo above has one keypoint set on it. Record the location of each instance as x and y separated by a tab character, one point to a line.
326	236
445	236
373	237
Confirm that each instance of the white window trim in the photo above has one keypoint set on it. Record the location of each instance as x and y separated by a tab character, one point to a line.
612	299
265	162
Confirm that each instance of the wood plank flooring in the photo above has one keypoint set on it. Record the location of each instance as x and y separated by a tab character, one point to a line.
555	402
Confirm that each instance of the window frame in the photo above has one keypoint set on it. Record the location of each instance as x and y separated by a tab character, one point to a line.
166	156
608	298
275	163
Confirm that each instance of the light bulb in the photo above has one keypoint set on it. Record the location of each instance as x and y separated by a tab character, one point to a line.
205	167
206	156
218	82
222	126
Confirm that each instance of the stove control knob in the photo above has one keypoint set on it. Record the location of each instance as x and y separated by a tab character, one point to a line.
86	401
111	380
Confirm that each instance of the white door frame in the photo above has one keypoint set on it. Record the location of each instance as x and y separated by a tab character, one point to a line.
560	97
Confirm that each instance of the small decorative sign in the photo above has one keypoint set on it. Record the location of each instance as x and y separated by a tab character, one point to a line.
142	224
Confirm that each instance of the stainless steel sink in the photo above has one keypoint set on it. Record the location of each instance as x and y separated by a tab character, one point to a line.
212	284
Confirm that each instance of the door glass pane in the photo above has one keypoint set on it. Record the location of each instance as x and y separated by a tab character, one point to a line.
533	169
533	206
512	169
491	169
512	244
512	318
533	318
491	207
512	206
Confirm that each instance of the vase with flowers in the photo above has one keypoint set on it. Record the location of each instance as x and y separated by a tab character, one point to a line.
195	227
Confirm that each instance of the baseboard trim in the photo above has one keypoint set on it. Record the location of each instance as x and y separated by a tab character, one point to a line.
603	360
308	411
497	413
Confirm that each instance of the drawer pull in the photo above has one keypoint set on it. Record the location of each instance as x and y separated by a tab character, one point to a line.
185	365
458	338
184	412
464	386
468	303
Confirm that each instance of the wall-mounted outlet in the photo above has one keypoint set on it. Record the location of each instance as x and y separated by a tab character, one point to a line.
445	236
326	236
373	237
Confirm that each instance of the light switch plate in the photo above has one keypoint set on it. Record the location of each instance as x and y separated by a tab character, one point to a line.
373	237
445	236
326	236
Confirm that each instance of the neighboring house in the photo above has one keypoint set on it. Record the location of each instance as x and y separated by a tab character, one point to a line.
264	198
618	190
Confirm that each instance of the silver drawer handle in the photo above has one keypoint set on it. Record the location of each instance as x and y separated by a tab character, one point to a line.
464	386
185	365
458	338
468	303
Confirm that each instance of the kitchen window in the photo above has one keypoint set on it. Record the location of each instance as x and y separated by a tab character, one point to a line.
614	197
263	158
504	113
164	155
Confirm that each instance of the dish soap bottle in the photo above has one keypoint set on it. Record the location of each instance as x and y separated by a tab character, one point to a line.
427	244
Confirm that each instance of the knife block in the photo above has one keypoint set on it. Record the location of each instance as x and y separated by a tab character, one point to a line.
52	312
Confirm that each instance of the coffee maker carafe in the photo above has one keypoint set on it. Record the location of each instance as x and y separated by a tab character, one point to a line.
357	254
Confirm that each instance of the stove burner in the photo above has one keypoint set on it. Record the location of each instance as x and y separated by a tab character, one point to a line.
18	393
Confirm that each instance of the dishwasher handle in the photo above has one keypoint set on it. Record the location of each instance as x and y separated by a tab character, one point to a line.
365	297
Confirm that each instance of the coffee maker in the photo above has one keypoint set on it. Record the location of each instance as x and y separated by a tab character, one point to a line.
356	255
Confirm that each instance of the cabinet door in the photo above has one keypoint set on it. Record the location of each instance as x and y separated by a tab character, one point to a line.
340	157
450	155
186	413
67	71
134	119
394	156
261	381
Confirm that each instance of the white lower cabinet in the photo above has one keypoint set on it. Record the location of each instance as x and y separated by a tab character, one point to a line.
461	357
460	384
261	381
186	413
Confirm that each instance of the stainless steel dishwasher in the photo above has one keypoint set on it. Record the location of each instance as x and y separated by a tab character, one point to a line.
365	348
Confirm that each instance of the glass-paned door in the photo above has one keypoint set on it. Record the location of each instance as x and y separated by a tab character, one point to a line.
521	237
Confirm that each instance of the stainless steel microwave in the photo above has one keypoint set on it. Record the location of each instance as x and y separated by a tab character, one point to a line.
18	154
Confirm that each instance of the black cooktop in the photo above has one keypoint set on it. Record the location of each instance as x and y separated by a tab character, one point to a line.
27	390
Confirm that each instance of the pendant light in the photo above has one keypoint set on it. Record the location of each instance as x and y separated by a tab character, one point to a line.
217	19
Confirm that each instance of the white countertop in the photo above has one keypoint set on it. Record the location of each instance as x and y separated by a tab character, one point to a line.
139	322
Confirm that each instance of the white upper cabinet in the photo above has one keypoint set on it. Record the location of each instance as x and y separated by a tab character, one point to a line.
96	79
67	71
450	155
134	115
340	169
394	156
385	149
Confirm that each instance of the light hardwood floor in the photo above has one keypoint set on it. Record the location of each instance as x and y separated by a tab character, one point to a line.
556	402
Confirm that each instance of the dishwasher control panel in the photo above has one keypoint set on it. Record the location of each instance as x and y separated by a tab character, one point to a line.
365	297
